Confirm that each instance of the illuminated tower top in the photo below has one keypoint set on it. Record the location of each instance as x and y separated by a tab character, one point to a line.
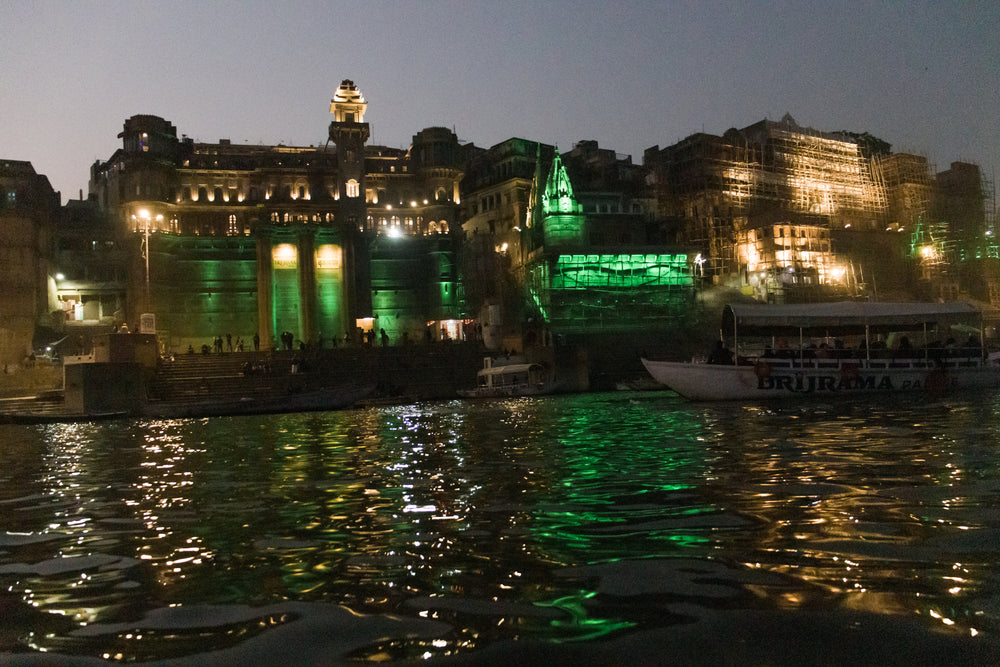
558	196
563	222
348	104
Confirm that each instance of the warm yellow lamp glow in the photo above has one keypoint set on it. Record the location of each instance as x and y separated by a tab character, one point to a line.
329	257
284	256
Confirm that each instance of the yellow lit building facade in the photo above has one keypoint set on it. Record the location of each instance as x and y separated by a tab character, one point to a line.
251	240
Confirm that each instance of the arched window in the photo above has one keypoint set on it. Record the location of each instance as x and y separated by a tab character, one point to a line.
352	188
232	229
441	195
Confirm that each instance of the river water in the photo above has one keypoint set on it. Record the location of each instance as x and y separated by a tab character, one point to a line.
614	528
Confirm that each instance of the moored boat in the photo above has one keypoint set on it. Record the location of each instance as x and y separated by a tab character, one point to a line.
826	364
510	379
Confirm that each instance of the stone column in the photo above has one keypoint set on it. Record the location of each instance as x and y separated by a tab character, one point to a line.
265	301
306	241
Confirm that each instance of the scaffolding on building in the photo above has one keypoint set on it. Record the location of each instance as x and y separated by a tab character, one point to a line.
770	172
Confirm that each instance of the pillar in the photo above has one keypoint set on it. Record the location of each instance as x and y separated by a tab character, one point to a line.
306	242
265	305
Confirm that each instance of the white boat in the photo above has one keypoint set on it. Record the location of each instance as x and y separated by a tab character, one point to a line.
510	379
763	370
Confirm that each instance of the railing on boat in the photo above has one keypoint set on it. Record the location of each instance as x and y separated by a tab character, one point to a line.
875	362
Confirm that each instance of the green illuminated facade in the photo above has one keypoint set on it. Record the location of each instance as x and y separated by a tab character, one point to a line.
595	262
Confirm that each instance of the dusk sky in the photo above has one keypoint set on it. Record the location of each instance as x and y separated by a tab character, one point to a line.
924	76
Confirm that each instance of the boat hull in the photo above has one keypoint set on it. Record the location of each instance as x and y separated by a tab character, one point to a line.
508	391
774	380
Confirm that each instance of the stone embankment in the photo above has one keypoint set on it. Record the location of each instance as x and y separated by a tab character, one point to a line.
398	373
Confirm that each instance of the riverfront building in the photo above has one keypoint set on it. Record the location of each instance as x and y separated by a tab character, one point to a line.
29	210
571	240
443	239
317	243
789	213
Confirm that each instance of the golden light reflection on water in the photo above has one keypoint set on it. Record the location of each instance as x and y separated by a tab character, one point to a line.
520	519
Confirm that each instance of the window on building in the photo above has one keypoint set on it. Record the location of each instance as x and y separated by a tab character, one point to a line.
352	188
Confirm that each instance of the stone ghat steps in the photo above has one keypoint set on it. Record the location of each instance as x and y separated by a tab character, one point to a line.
35	405
417	371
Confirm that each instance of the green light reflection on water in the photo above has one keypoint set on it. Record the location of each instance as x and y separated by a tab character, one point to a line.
628	489
578	626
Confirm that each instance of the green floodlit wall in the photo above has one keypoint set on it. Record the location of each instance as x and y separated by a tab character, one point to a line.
285	291
202	290
443	293
331	316
413	282
611	291
620	271
397	277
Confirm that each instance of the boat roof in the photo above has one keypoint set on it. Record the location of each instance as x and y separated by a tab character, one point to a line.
508	368
842	314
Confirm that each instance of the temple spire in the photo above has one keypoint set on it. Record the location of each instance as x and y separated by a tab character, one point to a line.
558	196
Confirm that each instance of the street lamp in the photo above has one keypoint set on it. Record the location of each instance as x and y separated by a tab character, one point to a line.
145	217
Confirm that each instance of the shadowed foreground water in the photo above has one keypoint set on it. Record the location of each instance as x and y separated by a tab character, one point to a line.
604	529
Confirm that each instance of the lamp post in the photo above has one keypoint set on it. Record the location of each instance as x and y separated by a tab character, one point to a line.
145	218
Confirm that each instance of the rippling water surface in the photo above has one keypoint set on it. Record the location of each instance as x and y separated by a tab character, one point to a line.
601	528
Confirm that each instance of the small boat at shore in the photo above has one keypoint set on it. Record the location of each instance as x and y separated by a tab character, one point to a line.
510	379
823	365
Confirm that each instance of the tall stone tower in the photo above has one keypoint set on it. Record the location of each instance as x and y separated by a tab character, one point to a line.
349	132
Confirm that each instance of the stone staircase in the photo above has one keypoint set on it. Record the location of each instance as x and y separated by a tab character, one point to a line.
403	372
399	374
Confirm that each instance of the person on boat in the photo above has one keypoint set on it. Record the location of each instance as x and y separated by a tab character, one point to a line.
903	349
971	347
720	354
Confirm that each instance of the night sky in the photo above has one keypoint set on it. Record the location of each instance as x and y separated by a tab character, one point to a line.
924	76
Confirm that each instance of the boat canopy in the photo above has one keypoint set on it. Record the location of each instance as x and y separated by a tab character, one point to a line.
841	316
509	369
